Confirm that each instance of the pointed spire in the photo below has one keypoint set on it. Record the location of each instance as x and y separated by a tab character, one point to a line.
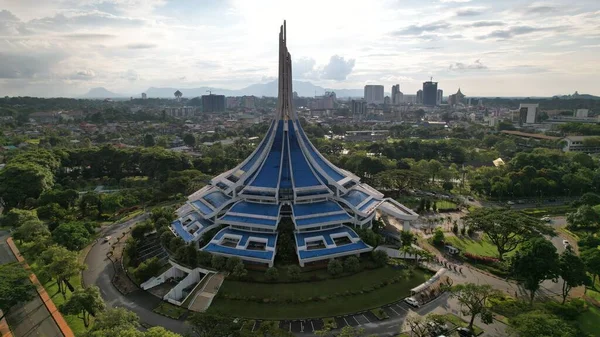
284	103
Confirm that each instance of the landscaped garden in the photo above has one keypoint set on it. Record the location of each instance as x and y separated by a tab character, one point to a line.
332	297
481	246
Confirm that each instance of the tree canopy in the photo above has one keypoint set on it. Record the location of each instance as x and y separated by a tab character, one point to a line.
15	286
535	262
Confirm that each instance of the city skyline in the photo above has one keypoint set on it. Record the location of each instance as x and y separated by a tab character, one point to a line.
513	48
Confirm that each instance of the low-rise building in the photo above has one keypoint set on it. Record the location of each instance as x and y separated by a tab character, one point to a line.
583	144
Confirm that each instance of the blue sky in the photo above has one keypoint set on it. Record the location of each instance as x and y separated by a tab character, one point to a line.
491	48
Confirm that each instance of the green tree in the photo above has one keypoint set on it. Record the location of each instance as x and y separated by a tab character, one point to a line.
335	267
380	257
87	201
159	331
21	181
438	237
212	325
407	238
85	302
218	262
115	322
269	329
584	217
272	274
204	258
293	272
351	264
30	230
189	140
149	140
147	269
540	324
506	229
16	217
51	212
60	264
15	286
473	301
572	271
232	262
239	271
591	260
535	262
72	235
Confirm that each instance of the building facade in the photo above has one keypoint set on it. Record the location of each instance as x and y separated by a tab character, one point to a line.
439	97
180	111
213	103
359	107
528	113
285	180
430	93
396	95
374	94
419	96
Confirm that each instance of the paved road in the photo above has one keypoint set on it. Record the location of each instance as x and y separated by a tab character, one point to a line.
32	318
100	271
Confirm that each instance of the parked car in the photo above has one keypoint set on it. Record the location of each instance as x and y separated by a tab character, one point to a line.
566	243
510	202
412	301
107	238
464	332
546	218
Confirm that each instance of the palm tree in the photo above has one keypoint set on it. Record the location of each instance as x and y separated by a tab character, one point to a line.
178	94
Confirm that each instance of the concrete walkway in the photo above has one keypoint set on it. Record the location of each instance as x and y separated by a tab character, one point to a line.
205	297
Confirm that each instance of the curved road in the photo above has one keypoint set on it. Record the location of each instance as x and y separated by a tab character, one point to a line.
100	272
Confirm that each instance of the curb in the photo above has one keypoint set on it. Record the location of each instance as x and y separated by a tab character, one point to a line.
50	306
4	328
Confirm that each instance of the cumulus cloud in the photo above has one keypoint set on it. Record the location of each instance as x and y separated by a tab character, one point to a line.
485	24
420	29
141	46
338	68
515	31
89	36
90	19
304	67
27	65
130	75
84	74
466	12
540	9
461	67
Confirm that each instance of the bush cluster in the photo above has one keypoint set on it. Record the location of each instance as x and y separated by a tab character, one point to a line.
481	259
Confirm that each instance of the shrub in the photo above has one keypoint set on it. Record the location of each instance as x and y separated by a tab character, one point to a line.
239	271
334	267
272	274
380	257
455	229
438	237
463	231
480	259
218	262
470	231
351	265
175	243
293	272
147	269
232	262
204	258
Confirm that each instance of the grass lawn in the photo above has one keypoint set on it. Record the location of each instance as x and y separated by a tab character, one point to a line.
337	305
480	247
441	204
593	293
169	310
588	321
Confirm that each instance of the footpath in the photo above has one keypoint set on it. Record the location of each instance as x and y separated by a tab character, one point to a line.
44	297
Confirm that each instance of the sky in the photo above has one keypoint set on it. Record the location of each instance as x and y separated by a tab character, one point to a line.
486	47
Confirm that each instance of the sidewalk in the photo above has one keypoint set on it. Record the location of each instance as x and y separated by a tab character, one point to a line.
43	295
4	329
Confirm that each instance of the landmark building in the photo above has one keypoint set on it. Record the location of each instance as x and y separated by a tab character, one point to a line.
284	188
374	94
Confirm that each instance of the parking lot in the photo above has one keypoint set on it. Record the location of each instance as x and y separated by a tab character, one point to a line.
395	310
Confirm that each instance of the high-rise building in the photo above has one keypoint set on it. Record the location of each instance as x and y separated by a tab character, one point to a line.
359	107
144	96
374	94
396	94
248	102
528	113
419	96
213	103
387	100
429	93
440	96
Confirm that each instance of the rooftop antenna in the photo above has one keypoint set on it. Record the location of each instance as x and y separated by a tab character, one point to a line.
431	79
209	92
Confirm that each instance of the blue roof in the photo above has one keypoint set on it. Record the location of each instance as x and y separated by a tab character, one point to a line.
285	181
249	220
205	222
325	166
305	254
316	208
256	154
302	236
355	197
303	175
216	198
202	206
269	172
246	207
178	227
368	204
271	237
257	254
323	219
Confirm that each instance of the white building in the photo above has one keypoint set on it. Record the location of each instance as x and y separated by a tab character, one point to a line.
584	144
374	94
396	95
581	113
528	113
439	97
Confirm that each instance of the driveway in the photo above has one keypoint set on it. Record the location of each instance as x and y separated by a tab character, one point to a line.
31	318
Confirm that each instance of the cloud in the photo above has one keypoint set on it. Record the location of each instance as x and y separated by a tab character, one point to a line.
462	67
304	67
89	36
420	29
338	68
515	31
130	75
485	24
69	20
540	9
12	25
85	74
468	12
459	1
141	46
27	65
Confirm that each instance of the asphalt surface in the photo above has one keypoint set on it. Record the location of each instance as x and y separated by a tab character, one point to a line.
31	318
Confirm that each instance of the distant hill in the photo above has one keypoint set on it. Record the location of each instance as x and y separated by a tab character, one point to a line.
100	93
269	89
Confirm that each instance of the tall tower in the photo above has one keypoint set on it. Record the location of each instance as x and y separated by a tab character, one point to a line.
396	94
430	93
285	96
